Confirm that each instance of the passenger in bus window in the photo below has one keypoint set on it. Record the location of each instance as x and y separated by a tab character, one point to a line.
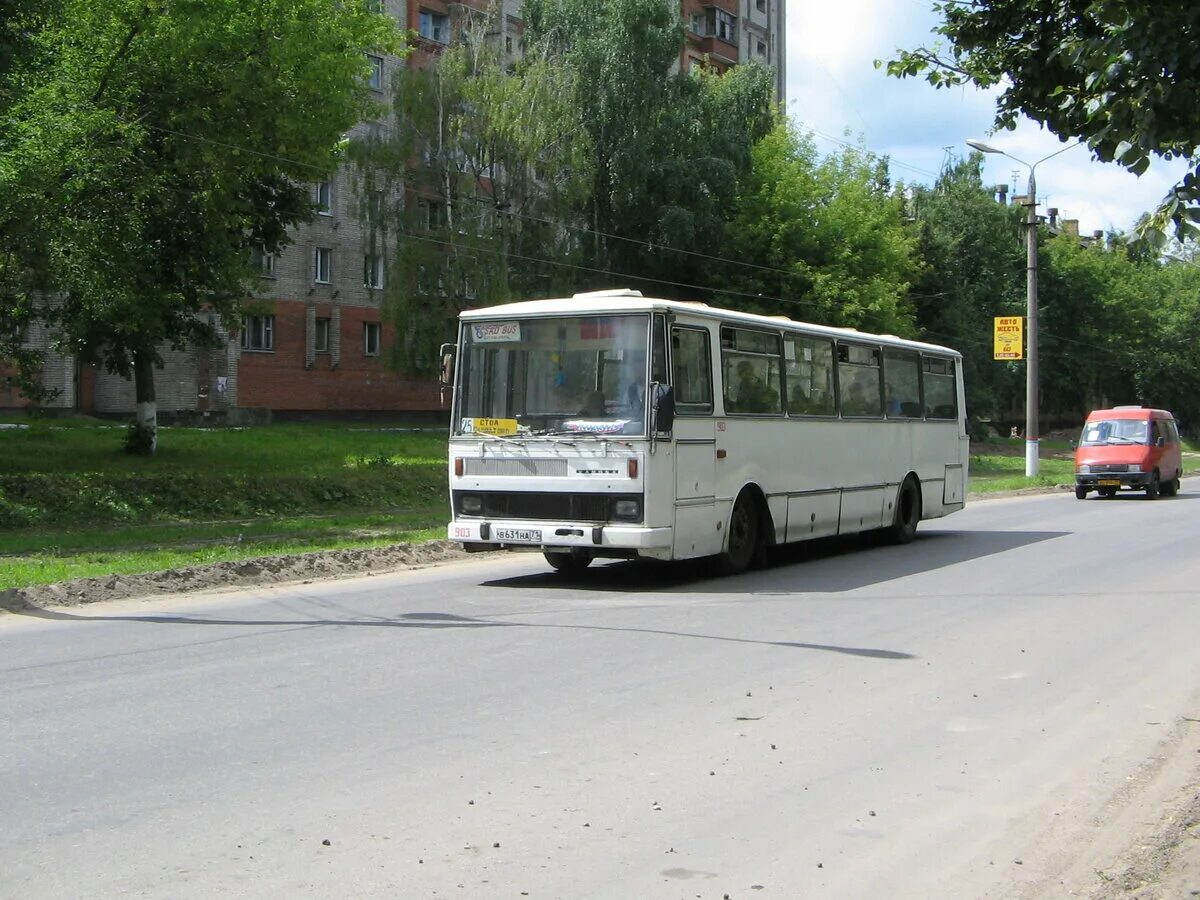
893	403
593	404
753	395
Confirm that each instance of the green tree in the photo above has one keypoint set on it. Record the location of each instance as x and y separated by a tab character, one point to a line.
1117	74
666	150
150	146
973	270
822	240
488	159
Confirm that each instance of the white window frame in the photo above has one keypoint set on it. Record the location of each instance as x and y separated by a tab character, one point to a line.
372	338
375	79
322	328
323	197
323	265
434	26
373	270
262	328
263	261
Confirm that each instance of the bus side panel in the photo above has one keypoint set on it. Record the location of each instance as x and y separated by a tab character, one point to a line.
813	515
952	490
862	509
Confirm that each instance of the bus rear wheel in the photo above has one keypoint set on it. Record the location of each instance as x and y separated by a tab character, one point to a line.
908	513
744	541
568	561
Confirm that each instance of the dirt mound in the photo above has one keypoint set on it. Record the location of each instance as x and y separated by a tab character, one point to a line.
241	573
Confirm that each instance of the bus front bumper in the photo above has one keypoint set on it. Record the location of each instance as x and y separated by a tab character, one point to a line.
541	535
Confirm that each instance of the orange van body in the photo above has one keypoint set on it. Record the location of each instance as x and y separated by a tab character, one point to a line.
1128	448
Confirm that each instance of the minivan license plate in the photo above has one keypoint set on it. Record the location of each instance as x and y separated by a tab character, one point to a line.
1109	482
523	535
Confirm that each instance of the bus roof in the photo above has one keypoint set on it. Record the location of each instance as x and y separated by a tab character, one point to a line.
626	301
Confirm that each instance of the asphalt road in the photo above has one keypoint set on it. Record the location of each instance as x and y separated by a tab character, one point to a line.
967	716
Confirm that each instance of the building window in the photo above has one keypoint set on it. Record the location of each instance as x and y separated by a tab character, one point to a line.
434	26
263	262
321	336
508	43
258	332
323	197
432	214
762	48
721	24
371	334
373	270
376	78
376	6
760	5
697	23
322	264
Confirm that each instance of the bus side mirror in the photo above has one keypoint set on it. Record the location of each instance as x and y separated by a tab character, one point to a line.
664	409
447	374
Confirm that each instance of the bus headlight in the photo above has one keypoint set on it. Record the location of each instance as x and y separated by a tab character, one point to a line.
472	504
627	509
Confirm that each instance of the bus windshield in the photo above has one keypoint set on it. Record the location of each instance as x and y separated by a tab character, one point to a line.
573	375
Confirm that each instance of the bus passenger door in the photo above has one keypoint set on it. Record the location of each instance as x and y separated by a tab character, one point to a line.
696	532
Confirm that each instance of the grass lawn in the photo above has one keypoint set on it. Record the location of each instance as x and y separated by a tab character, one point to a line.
72	504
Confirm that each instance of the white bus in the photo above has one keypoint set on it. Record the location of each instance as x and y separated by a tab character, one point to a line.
758	431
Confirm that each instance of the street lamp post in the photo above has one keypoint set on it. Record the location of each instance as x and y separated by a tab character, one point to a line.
1031	301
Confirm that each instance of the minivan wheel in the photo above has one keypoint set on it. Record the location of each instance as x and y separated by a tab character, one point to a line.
1081	492
1171	488
1153	487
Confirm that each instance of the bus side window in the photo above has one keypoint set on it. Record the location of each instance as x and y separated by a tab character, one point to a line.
691	359
941	399
859	380
901	383
808	370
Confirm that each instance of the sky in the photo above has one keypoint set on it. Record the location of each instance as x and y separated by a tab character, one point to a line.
835	92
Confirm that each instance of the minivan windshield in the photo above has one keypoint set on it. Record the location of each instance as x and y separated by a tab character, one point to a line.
1115	431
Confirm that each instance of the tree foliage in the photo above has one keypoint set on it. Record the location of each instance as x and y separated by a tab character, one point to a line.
147	147
823	240
1120	75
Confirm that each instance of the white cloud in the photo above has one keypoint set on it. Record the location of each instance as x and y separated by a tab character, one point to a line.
833	87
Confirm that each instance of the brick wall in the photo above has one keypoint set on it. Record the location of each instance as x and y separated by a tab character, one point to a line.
350	381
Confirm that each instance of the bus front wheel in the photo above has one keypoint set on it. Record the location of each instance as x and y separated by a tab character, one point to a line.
568	561
744	542
908	513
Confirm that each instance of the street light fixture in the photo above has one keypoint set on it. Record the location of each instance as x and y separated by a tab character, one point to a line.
1031	300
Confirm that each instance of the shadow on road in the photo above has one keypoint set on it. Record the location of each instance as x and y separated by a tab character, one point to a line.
427	620
831	565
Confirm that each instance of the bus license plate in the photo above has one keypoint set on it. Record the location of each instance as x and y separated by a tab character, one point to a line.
521	535
1109	482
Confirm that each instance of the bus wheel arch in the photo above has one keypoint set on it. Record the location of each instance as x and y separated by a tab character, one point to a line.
908	510
748	532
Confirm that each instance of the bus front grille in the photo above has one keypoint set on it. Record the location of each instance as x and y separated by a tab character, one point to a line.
552	507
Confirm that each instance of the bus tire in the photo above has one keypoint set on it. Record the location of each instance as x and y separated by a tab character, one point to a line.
744	542
569	562
908	512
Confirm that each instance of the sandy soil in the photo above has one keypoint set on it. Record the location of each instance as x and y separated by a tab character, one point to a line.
1146	845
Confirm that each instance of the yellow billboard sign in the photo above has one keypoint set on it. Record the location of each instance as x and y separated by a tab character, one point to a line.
1009	337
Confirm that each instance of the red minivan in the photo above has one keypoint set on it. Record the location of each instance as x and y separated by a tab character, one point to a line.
1128	447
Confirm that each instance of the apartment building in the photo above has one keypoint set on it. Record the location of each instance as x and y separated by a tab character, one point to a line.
316	340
